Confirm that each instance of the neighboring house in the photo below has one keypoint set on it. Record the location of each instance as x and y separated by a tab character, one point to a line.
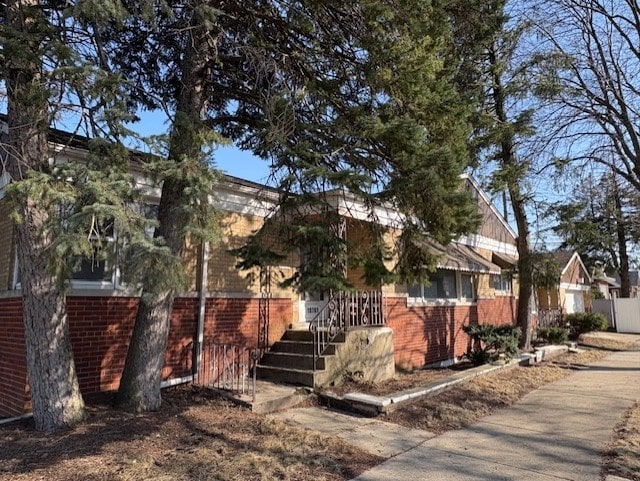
609	287
634	284
474	283
572	293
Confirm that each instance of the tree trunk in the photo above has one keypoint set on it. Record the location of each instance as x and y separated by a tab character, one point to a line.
621	233
525	268
512	173
140	383
53	381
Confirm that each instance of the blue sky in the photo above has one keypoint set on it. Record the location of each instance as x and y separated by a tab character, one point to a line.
228	159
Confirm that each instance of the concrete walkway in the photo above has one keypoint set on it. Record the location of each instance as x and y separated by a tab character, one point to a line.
556	432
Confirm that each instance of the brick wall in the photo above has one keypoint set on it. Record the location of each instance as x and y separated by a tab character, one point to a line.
14	400
234	321
100	328
498	311
427	334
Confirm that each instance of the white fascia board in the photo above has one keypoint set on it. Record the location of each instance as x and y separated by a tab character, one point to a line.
482	242
244	200
348	205
149	188
486	198
574	287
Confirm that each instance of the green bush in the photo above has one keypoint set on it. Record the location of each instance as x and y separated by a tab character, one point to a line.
581	322
488	342
553	335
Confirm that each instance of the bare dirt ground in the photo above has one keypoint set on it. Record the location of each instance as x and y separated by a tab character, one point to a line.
196	437
192	438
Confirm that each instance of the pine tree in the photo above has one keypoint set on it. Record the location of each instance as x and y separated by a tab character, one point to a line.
353	98
505	125
52	71
54	385
600	222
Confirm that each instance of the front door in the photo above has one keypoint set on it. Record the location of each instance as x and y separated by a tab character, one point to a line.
311	305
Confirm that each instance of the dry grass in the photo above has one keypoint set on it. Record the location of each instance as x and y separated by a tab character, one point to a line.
195	437
623	454
191	438
402	380
467	402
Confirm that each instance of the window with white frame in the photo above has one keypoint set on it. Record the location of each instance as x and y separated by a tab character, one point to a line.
99	271
96	268
444	284
502	282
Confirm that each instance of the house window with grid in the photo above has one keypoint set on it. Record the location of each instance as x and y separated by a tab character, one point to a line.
502	282
444	284
96	268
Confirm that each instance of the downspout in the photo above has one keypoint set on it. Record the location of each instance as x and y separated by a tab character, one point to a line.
202	306
202	300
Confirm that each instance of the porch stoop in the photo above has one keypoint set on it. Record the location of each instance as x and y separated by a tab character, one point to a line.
365	353
290	360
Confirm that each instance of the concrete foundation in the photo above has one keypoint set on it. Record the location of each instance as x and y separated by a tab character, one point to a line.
365	355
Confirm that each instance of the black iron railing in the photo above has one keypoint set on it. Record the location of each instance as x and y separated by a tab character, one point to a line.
228	367
345	310
549	317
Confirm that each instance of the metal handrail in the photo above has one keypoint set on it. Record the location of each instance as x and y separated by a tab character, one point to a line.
229	367
343	311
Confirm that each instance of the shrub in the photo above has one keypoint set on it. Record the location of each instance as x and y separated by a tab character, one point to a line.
581	322
553	335
488	342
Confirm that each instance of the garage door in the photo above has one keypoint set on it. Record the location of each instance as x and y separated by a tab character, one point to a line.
573	301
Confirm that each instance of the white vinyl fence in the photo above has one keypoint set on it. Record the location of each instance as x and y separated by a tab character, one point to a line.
623	314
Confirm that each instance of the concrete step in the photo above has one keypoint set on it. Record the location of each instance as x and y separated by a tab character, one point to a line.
289	360
299	347
284	375
303	335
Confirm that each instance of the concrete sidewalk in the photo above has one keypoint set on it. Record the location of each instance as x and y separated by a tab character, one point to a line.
556	432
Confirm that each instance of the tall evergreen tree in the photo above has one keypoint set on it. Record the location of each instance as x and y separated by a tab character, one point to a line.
55	393
351	97
52	70
504	137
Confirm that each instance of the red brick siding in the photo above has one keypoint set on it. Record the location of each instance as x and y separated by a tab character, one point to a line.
234	321
13	370
497	311
100	328
427	334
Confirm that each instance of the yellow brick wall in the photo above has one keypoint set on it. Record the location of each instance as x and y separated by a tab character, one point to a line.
7	247
224	276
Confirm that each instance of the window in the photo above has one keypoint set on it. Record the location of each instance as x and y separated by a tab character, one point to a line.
96	268
502	282
444	284
466	287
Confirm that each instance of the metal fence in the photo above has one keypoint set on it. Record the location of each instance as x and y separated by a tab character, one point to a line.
549	317
228	367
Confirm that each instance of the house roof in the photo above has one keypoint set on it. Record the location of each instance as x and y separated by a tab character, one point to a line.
565	258
634	278
503	260
610	281
459	257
